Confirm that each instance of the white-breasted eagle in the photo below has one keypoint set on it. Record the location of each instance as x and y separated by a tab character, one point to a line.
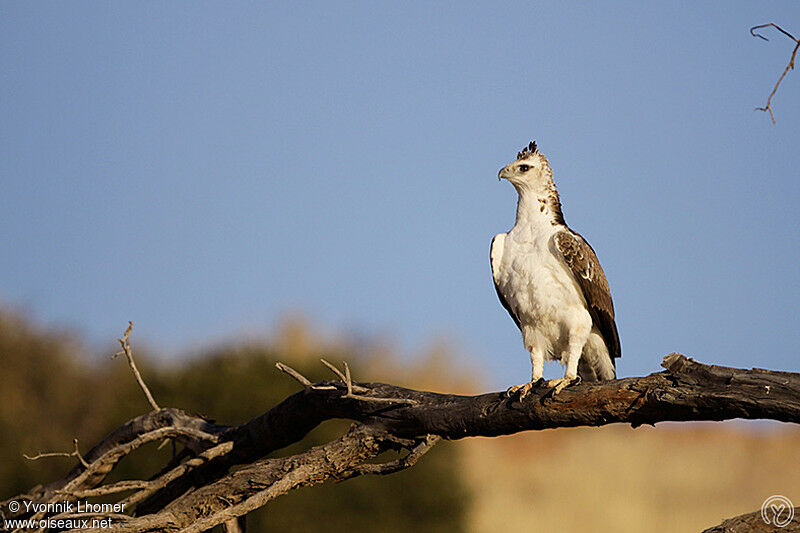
549	280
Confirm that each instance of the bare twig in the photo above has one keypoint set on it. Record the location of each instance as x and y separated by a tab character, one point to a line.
348	380
128	352
342	377
334	369
78	454
768	107
402	463
47	454
286	369
74	453
350	387
771	24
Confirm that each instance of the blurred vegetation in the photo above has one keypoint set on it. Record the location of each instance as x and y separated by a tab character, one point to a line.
52	392
674	477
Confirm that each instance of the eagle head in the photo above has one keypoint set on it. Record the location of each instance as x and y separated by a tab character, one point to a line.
530	169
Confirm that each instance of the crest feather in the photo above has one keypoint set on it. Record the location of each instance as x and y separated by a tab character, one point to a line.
528	150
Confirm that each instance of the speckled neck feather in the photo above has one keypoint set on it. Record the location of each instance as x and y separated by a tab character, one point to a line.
549	200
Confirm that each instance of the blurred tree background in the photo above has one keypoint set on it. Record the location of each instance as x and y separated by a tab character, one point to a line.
53	392
671	478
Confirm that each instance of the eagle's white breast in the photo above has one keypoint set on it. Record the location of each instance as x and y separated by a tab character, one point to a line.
540	289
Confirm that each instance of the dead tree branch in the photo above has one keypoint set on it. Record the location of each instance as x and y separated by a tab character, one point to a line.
125	343
753	32
200	489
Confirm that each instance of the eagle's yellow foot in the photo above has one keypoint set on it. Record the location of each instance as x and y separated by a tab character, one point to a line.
561	383
523	389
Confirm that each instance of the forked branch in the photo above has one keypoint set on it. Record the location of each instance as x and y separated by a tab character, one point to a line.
201	488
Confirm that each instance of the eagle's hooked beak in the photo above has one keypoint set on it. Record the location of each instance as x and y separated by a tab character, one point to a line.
503	174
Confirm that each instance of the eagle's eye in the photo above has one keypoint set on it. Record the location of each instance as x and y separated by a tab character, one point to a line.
524	168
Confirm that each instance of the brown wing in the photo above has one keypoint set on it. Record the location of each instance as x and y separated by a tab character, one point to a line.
582	260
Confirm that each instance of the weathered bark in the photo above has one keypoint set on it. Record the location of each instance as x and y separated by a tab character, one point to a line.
197	493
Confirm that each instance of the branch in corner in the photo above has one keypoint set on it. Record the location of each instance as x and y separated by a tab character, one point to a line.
768	106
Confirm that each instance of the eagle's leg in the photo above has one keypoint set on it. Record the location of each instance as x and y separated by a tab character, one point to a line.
573	356
537	369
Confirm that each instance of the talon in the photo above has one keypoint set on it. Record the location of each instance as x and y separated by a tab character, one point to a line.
561	383
523	389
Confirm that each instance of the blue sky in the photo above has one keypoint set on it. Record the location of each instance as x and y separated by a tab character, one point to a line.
203	168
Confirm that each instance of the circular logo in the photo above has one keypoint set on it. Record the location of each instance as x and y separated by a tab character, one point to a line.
777	510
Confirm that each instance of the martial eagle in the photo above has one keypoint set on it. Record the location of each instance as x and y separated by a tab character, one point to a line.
549	280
